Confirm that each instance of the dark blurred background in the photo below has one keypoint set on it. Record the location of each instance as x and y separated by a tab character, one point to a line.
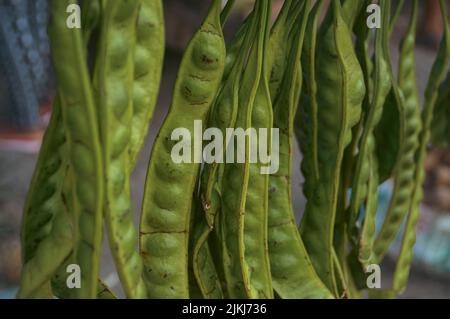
27	88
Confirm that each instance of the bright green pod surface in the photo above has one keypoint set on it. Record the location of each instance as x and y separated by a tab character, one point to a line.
165	216
293	275
114	82
148	65
44	203
83	143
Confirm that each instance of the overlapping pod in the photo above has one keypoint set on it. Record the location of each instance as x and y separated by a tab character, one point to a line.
52	177
62	291
293	275
39	224
339	100
306	117
431	95
83	142
114	82
365	181
440	127
148	64
90	18
165	216
277	47
388	133
410	126
222	116
236	175
256	202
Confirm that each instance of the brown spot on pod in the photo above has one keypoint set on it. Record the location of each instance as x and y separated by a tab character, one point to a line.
208	52
196	90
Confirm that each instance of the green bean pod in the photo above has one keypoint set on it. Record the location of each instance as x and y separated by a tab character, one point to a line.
381	87
306	117
342	90
226	11
43	203
84	151
114	76
148	64
236	175
51	252
90	18
165	217
61	291
293	275
351	11
410	125
440	127
437	75
256	204
223	115
367	235
278	45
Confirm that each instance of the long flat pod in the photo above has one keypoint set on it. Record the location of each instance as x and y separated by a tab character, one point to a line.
340	78
306	117
388	133
410	126
165	216
43	203
114	80
61	291
148	64
222	116
363	175
440	127
83	142
437	75
236	174
90	19
278	45
256	203
293	275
